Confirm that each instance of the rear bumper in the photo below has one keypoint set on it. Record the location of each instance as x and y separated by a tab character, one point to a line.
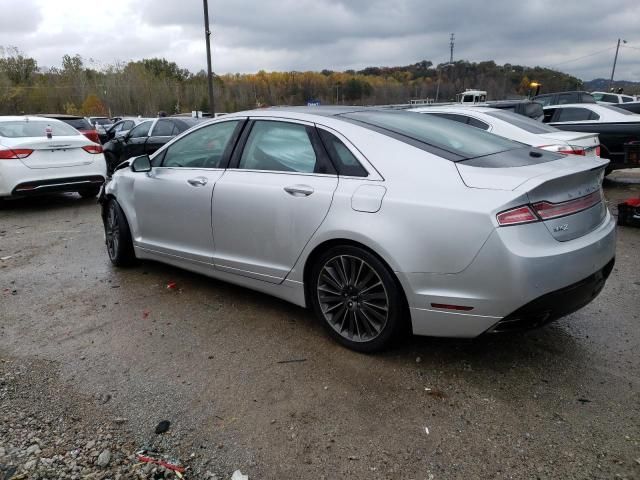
518	272
72	184
557	304
16	179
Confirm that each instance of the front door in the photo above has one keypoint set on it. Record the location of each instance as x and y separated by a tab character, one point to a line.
269	205
173	201
133	143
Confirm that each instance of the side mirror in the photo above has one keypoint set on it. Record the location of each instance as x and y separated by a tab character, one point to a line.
141	164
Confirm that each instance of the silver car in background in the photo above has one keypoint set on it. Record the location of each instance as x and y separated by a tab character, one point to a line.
371	218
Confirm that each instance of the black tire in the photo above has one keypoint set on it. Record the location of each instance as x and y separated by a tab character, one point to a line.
118	235
89	192
352	311
111	161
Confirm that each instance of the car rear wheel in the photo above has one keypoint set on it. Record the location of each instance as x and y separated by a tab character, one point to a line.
118	236
357	298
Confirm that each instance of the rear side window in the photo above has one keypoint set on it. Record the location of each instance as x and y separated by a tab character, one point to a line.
474	122
574	114
425	131
346	163
164	128
627	99
23	129
588	98
608	98
280	147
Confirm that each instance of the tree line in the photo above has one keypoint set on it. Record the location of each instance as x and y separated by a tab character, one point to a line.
148	86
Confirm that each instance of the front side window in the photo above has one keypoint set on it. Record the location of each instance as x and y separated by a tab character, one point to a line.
142	130
280	147
164	128
204	148
627	99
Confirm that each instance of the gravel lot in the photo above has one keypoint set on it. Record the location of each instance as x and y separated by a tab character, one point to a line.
92	358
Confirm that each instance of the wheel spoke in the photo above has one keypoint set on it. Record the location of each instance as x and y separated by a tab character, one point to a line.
353	298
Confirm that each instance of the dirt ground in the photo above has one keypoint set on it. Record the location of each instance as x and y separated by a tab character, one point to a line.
93	357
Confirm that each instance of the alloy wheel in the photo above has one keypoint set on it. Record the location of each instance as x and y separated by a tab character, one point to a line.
112	230
353	298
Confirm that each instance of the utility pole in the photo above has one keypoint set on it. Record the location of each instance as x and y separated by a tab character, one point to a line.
615	60
452	43
207	34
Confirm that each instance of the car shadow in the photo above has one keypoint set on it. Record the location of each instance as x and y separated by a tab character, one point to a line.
53	201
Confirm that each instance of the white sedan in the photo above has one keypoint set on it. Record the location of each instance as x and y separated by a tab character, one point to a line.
40	155
519	128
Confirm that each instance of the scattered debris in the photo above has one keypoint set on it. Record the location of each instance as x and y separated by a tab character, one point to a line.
172	286
115	286
426	429
418	359
104	398
145	456
104	458
145	314
436	393
163	426
293	360
584	400
6	258
237	475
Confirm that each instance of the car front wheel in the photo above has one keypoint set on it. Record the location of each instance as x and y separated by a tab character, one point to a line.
118	236
357	298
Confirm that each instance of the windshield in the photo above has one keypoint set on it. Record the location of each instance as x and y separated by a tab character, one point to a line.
451	136
522	122
23	128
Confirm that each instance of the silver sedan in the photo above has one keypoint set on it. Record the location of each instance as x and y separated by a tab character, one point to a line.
373	218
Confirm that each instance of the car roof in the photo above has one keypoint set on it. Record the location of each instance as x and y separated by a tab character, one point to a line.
461	108
60	116
30	118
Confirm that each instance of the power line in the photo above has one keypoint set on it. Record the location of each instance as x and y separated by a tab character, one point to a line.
583	56
629	46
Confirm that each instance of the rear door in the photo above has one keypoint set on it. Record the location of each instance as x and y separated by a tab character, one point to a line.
269	204
163	131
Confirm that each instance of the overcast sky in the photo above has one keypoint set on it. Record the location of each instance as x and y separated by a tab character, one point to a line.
249	35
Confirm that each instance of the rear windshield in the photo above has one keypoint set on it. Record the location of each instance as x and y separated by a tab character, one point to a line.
79	123
617	110
23	128
522	122
102	121
462	140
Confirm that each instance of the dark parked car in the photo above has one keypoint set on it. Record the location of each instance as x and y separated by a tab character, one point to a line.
616	128
121	127
145	138
563	98
79	123
521	107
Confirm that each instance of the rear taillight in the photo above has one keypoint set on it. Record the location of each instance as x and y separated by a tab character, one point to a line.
516	216
564	149
92	148
16	153
541	211
548	210
598	151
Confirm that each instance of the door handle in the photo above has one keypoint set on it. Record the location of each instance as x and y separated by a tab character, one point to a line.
299	190
197	182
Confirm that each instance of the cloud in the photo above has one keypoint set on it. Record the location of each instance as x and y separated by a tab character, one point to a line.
249	35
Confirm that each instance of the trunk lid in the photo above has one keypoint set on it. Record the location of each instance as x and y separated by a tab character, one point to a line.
573	181
59	151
